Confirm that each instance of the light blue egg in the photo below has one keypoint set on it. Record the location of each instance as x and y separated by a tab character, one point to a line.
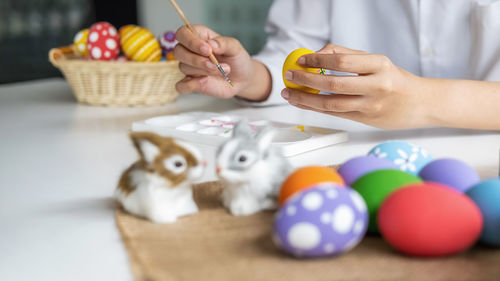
408	157
486	194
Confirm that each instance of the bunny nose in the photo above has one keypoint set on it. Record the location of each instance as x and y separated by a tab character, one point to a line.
204	163
218	169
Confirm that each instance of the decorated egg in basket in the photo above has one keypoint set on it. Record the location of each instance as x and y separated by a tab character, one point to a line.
167	42
80	42
139	44
102	42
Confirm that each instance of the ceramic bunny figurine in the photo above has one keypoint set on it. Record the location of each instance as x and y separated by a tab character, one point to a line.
251	169
158	185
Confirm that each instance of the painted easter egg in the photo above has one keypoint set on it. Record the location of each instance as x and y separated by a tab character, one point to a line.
80	42
122	59
375	186
450	172
170	56
356	167
139	44
408	157
306	177
291	63
167	42
486	195
102	42
429	219
321	221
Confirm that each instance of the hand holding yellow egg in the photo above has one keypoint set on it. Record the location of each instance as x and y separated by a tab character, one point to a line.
291	63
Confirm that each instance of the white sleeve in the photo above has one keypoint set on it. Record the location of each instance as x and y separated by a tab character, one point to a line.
291	24
485	55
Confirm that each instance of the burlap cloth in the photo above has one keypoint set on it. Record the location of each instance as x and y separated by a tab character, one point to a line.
214	245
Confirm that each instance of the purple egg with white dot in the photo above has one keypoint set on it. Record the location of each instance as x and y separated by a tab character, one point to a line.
323	220
356	167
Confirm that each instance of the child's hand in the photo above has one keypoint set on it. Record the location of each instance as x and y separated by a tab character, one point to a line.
201	74
382	95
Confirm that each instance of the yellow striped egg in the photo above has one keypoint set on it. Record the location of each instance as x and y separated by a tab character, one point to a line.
80	42
139	44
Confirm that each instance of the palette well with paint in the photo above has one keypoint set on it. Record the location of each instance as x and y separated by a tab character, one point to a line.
212	129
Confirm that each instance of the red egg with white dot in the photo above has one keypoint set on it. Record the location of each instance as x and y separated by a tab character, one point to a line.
103	42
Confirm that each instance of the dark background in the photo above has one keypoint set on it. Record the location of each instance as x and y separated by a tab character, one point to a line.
30	28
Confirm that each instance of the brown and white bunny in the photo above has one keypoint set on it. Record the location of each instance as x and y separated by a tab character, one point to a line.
158	185
251	169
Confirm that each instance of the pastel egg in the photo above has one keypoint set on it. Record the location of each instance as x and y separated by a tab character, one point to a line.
451	172
122	59
359	166
408	157
80	42
139	44
291	63
486	195
321	221
306	177
102	42
167	42
429	220
375	186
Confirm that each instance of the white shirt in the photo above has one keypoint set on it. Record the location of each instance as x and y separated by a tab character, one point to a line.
432	38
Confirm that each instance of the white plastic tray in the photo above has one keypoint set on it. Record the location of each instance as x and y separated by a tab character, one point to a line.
213	129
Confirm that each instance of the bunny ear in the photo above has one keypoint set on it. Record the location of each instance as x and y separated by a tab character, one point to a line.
265	137
147	145
242	129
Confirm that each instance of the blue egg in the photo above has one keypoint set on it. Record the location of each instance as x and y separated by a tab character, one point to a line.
486	194
406	156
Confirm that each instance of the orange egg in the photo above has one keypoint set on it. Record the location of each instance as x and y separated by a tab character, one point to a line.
307	177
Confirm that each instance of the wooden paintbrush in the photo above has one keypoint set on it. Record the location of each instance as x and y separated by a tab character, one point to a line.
211	57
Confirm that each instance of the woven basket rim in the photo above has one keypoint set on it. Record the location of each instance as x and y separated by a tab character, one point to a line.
66	55
117	83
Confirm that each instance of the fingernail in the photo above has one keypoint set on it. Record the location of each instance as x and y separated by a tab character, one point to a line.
301	60
288	75
210	65
226	68
205	50
285	93
213	43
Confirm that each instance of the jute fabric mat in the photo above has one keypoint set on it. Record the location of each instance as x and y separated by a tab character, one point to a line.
214	245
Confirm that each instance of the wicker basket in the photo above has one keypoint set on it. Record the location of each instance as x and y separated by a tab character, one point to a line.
118	83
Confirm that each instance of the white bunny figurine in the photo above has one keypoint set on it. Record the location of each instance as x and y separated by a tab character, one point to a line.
251	169
158	185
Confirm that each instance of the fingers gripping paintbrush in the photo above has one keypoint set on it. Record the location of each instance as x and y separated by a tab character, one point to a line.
211	57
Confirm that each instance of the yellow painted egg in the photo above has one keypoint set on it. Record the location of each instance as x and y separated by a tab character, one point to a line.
291	63
80	42
139	44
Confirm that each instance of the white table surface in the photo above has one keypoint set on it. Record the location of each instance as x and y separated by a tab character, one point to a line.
60	161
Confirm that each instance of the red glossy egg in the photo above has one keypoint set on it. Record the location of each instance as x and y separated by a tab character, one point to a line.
429	219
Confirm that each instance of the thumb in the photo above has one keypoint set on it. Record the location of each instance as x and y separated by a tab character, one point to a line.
226	46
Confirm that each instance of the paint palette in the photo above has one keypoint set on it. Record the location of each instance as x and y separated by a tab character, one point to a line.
213	129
